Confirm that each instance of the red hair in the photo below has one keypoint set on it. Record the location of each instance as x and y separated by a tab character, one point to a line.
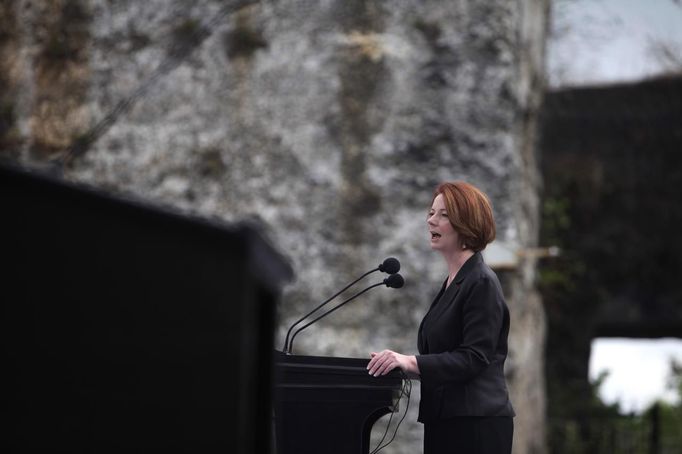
470	213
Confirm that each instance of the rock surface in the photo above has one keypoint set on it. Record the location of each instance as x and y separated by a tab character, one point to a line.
327	122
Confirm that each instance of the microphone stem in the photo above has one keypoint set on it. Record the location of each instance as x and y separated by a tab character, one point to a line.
286	340
291	344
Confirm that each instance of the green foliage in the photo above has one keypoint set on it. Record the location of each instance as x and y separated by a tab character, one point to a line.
578	421
556	219
607	429
671	414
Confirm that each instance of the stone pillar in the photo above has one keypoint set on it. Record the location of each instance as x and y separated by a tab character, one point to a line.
526	368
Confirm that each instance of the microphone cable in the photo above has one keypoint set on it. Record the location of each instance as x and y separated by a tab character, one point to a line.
405	390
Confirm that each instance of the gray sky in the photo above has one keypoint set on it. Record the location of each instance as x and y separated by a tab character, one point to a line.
605	41
638	370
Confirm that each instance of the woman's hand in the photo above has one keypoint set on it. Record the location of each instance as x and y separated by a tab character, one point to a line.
387	360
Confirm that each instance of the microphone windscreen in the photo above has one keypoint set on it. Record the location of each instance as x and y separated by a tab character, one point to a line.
394	281
391	266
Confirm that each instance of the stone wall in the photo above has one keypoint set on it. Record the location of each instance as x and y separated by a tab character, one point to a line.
329	123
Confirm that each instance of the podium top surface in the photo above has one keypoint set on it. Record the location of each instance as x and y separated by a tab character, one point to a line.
330	371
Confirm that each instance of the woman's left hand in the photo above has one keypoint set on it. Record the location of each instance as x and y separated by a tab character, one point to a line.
387	360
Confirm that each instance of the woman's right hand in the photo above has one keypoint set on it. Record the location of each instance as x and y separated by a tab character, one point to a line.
387	360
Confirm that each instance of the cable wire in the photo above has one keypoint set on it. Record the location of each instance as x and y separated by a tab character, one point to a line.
405	390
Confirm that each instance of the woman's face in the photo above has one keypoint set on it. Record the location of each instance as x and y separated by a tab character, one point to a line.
443	235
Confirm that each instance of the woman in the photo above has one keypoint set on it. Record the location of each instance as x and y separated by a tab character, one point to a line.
462	340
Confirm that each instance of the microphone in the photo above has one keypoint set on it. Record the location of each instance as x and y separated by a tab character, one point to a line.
390	265
392	281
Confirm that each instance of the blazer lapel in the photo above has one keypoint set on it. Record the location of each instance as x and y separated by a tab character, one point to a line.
445	300
440	294
439	305
421	341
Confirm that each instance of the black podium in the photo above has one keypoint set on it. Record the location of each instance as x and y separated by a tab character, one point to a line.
131	328
328	405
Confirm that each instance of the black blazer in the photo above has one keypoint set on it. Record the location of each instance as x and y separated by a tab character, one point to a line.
463	344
